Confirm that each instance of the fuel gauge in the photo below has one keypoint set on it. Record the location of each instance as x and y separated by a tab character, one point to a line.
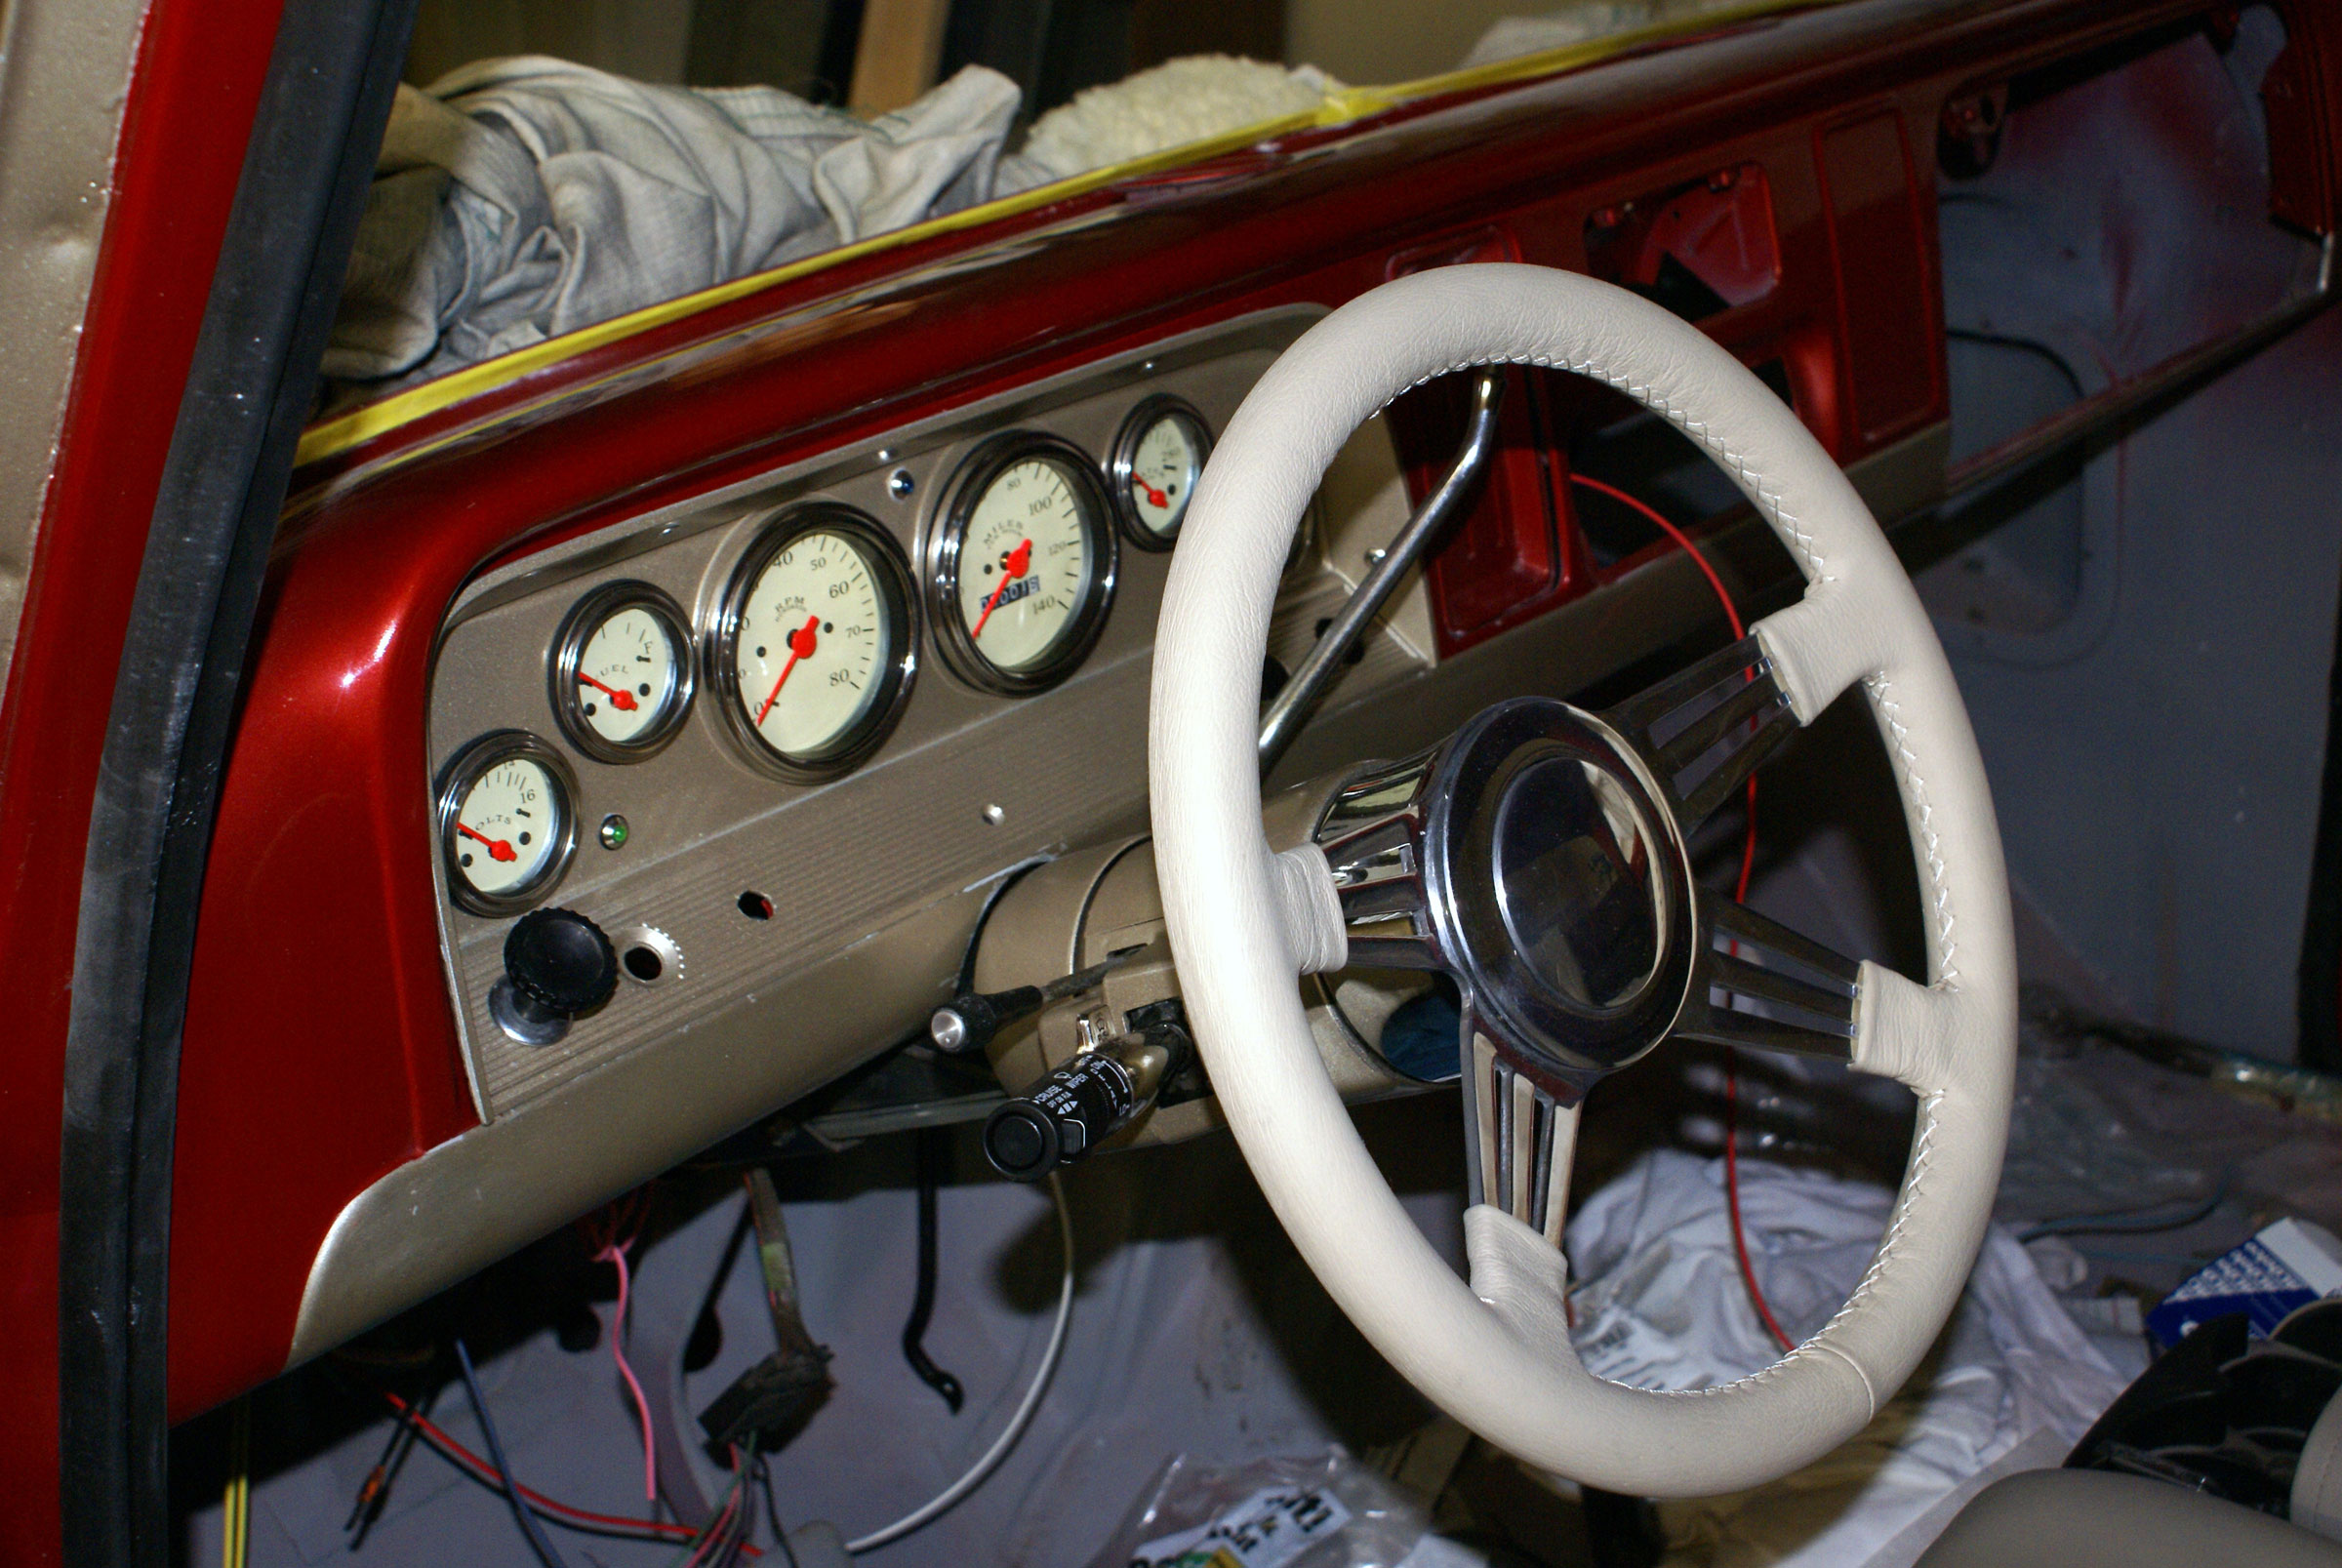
622	672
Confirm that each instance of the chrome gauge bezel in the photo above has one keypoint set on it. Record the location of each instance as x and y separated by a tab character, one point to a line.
948	533
466	769
1124	463
890	569
586	617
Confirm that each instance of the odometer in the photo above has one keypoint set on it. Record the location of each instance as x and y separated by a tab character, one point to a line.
1025	561
815	648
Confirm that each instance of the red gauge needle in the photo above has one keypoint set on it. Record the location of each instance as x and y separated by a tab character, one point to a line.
1154	496
801	643
622	700
498	849
1020	560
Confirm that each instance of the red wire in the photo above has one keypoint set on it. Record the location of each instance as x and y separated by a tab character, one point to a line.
482	1470
1748	864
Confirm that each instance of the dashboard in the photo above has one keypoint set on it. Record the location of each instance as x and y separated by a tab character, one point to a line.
873	551
745	733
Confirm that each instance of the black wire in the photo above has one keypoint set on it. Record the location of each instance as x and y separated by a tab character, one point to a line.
772	1511
736	1518
405	1432
708	1321
2146	1219
928	1153
616	1529
521	1511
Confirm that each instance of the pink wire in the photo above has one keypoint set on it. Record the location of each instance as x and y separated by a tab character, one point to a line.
615	1255
721	1523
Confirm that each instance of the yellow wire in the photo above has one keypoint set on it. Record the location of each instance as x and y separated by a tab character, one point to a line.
236	1509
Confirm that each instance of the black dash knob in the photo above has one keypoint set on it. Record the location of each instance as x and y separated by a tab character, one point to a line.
969	1024
559	963
1066	1116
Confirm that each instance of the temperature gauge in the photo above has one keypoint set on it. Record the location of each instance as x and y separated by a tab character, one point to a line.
1024	565
815	648
1157	459
507	822
622	672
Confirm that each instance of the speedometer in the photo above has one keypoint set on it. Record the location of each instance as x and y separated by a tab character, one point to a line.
815	648
1025	561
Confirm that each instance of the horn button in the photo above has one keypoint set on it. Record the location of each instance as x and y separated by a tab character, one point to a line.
1555	886
1576	874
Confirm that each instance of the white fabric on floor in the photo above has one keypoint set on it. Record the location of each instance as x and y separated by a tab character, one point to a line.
1661	1305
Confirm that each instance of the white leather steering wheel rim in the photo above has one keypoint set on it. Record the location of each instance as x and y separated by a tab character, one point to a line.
1496	1353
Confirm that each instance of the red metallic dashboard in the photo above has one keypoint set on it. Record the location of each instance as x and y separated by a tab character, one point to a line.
1790	159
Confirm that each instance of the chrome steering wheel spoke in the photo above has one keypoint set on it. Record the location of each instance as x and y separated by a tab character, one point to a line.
1760	984
1703	730
1521	1138
1540	857
1372	834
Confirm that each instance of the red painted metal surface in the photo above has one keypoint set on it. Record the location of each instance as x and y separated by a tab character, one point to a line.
320	1049
190	110
1882	236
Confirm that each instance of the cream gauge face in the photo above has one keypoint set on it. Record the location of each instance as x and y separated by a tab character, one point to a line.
622	672
1029	564
1157	460
629	671
815	641
507	823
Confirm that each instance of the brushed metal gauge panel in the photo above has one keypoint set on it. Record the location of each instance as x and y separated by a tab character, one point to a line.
967	784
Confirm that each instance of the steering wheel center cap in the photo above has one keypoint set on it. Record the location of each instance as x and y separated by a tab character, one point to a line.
1576	872
1560	890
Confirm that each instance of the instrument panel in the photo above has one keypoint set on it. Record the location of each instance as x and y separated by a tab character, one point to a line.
746	733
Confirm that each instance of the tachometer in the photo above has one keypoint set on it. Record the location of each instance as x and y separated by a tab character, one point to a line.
1157	459
1025	561
621	672
507	822
815	646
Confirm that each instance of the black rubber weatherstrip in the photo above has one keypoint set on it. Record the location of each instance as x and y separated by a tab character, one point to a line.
307	167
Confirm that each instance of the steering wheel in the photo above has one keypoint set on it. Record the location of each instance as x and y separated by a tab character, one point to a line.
1539	857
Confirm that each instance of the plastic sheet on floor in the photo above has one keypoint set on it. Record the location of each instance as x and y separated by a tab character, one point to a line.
1661	1305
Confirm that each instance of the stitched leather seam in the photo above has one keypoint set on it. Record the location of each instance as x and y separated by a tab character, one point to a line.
1891	1245
1922	1161
1882	692
1801	542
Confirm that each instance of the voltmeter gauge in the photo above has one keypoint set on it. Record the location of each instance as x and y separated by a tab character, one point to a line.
622	673
1024	563
816	644
507	822
1157	459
